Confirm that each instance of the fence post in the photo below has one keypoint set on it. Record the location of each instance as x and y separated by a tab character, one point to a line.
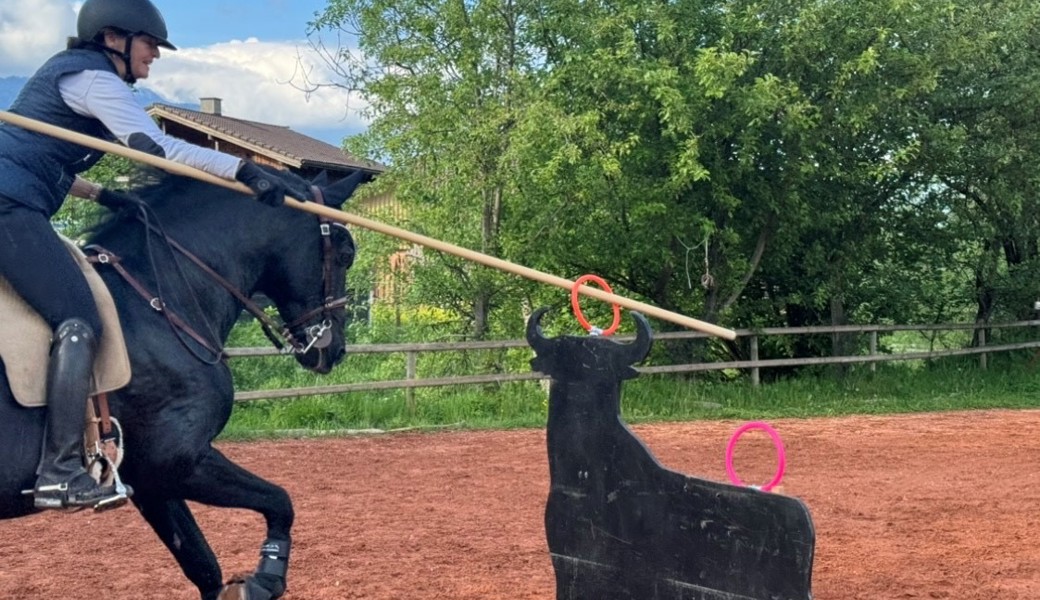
410	374
755	380
983	361
873	350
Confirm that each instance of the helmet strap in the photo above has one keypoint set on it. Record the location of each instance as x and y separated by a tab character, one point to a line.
129	76
124	55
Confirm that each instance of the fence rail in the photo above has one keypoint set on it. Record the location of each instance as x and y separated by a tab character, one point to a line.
754	365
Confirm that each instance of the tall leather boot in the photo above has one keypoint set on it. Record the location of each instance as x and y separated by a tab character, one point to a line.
62	481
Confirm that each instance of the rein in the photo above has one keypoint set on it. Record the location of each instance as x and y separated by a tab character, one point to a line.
281	336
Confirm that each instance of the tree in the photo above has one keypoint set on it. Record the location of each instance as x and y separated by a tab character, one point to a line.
755	162
443	79
980	145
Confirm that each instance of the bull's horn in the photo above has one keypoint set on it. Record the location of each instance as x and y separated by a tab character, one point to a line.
644	339
534	331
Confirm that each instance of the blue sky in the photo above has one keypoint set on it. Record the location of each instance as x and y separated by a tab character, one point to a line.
196	23
248	53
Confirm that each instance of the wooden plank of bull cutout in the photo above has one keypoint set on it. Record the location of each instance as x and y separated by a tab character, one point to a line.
621	526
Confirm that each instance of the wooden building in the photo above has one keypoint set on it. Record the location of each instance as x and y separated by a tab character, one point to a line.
260	142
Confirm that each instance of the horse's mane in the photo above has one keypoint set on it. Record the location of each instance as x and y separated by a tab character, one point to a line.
162	189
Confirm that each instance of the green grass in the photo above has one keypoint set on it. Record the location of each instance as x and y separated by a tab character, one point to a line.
942	385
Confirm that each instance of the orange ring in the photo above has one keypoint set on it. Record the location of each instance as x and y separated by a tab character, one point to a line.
576	306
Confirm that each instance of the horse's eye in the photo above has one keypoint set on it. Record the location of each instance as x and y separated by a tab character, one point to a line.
345	257
345	249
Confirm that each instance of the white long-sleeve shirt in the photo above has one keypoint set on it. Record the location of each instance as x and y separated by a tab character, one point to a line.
105	97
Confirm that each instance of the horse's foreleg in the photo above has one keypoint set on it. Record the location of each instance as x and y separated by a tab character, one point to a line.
217	481
173	522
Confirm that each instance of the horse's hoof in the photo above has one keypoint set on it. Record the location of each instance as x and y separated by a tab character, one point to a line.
245	588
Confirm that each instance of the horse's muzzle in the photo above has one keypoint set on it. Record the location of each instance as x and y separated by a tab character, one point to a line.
322	360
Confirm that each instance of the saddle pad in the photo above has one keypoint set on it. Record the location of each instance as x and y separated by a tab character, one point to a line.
25	341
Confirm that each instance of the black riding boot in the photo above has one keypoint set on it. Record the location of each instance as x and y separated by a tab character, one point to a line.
62	481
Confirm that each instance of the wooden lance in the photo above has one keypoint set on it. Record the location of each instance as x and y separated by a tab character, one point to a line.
344	217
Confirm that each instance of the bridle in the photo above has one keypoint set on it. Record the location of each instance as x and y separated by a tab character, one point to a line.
315	333
280	335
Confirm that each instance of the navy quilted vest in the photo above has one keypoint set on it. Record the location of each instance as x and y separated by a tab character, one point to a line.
35	169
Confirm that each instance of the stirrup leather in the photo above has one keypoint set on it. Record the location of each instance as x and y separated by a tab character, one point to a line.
103	453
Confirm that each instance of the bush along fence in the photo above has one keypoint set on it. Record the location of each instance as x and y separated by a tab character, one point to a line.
977	345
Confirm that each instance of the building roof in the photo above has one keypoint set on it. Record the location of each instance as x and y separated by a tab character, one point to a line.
275	141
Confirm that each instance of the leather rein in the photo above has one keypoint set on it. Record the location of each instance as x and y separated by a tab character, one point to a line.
281	336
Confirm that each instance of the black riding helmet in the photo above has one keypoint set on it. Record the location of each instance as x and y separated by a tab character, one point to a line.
131	16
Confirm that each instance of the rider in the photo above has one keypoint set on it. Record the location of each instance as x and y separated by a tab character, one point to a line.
86	89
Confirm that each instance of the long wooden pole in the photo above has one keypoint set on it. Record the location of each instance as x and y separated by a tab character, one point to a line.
345	217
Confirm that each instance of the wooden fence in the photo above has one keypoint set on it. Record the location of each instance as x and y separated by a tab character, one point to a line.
753	365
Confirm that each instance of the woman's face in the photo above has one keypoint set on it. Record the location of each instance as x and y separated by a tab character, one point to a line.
143	51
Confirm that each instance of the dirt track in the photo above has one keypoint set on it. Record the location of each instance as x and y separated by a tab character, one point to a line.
929	506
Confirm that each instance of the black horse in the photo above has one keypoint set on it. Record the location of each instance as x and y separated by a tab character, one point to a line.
181	393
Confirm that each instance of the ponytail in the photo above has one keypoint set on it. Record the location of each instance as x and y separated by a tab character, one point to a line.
98	43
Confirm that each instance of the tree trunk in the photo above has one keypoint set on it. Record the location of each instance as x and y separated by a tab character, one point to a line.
489	230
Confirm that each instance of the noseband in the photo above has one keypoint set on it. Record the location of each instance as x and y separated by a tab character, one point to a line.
281	336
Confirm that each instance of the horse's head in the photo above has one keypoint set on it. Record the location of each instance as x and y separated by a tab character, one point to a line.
308	286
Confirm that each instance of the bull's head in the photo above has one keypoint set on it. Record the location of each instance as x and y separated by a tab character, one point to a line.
570	358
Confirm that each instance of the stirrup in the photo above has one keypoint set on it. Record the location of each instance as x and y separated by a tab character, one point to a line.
123	493
56	497
55	502
112	502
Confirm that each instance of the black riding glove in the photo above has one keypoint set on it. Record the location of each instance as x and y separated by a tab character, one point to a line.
269	187
117	200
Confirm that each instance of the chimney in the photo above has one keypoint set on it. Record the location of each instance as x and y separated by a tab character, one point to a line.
210	106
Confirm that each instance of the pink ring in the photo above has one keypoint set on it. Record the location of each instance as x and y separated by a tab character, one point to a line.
781	456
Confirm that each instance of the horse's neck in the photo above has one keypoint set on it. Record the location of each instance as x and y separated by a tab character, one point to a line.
234	248
238	254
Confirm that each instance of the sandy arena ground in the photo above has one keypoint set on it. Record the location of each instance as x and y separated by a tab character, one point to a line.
922	506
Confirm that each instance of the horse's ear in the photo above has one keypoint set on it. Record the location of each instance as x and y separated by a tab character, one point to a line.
337	193
321	179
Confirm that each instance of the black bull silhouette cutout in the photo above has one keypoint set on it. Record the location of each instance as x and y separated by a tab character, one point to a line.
621	526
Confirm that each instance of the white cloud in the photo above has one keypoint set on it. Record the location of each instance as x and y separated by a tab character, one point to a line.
31	31
252	77
255	81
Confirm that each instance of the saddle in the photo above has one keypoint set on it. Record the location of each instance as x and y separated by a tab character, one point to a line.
25	341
